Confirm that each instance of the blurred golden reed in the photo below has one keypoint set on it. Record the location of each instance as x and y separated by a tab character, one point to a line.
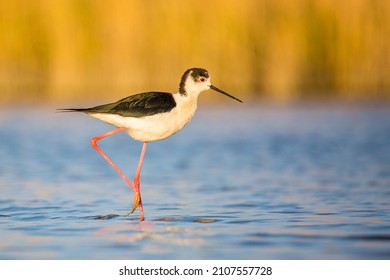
277	49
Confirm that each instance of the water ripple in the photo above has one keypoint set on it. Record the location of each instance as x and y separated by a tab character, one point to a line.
257	183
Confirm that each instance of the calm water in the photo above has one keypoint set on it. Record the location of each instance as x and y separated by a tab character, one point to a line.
236	183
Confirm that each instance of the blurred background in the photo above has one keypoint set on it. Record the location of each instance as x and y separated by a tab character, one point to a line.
277	50
299	171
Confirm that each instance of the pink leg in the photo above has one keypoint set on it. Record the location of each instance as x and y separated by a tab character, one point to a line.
136	187
138	200
94	144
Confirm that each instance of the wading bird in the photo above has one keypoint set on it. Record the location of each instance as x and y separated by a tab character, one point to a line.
151	116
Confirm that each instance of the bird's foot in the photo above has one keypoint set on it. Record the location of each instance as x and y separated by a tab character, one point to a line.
137	200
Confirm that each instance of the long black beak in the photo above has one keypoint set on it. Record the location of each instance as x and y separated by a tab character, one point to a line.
225	93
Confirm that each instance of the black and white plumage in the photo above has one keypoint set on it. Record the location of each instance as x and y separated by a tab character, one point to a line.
152	116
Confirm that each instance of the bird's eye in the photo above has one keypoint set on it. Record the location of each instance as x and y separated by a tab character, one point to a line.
202	79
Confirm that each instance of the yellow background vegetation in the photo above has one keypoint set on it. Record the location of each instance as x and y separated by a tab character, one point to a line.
282	50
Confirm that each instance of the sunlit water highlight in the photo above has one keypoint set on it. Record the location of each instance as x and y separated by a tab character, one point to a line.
237	183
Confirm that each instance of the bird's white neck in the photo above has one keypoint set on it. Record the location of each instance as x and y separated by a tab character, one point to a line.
186	105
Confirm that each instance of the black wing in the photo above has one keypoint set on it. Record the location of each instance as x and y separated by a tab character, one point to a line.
136	106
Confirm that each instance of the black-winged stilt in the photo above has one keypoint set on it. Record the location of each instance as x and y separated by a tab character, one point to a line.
151	116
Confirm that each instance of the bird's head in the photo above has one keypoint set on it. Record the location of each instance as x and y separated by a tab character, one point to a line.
196	80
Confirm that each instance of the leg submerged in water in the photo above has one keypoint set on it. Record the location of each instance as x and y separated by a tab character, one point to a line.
136	187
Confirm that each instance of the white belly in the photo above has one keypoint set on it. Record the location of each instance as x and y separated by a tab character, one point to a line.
155	127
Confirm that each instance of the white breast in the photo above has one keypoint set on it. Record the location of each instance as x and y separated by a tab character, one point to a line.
159	126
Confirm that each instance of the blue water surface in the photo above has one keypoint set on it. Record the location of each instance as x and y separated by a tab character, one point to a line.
239	182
